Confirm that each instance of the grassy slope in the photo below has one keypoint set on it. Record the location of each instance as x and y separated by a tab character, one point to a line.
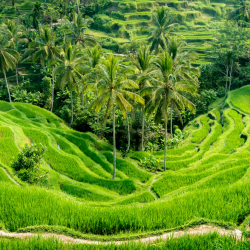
198	21
207	177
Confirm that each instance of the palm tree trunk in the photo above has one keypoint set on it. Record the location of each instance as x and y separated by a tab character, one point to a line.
165	146
114	142
53	93
82	99
230	77
127	150
142	133
16	74
226	79
6	83
78	10
171	121
105	120
72	115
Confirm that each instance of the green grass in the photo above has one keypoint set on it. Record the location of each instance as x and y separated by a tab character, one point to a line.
4	176
240	99
207	177
201	134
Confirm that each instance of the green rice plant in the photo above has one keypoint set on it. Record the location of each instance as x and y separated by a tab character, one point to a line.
72	167
8	148
51	119
70	148
22	207
129	168
4	176
239	100
233	140
205	146
86	194
144	197
5	106
15	113
86	147
216	103
174	180
201	134
26	111
224	178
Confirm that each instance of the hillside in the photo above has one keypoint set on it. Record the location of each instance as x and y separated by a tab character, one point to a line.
207	180
121	22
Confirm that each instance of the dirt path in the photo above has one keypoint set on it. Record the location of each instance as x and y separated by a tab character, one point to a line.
10	176
204	229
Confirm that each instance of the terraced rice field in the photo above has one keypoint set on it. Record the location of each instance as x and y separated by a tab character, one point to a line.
207	177
198	21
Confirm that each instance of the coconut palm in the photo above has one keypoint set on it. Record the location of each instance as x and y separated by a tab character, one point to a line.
77	28
45	51
36	14
164	22
142	61
7	59
113	90
241	12
169	85
180	57
15	36
91	72
69	72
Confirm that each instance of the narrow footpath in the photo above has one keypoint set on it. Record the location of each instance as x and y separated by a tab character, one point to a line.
204	229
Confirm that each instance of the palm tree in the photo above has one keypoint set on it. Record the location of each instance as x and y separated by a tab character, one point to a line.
36	13
241	12
77	28
7	59
169	86
164	22
46	50
69	72
142	61
15	36
179	57
113	89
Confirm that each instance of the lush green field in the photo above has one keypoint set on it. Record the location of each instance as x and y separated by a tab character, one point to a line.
207	180
198	21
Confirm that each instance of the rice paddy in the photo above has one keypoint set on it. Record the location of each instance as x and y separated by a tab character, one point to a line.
206	182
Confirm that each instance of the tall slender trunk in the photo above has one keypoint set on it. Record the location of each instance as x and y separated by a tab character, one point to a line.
171	120
78	10
6	83
226	79
127	150
105	120
165	146
142	133
53	93
114	142
230	77
82	99
16	74
72	114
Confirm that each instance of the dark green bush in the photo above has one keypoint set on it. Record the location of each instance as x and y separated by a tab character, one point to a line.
117	15
28	162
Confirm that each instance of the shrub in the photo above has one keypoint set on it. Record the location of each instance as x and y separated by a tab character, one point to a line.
117	15
28	162
152	164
